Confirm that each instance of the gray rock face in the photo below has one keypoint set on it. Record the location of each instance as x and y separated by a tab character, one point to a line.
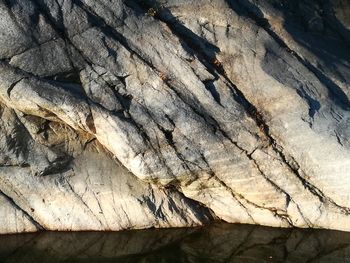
137	114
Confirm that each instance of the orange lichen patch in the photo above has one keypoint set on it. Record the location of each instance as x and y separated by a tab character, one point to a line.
163	76
151	12
90	123
217	63
262	128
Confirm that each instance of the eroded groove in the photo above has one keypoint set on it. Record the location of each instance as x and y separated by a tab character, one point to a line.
237	196
312	188
26	214
279	189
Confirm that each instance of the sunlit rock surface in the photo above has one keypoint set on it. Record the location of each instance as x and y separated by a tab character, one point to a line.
137	114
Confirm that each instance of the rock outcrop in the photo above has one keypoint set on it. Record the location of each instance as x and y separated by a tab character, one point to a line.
137	114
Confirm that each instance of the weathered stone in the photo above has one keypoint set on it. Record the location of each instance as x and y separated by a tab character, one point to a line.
137	114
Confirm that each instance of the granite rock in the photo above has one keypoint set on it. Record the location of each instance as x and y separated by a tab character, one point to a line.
138	114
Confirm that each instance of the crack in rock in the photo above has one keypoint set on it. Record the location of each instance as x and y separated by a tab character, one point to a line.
137	114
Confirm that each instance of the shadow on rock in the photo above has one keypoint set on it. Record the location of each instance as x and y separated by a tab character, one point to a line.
216	243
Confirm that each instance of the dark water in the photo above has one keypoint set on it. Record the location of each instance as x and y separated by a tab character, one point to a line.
216	243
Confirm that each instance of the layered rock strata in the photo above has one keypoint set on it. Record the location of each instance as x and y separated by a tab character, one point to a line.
137	114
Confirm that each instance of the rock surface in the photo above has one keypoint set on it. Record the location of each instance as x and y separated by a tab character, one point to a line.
138	114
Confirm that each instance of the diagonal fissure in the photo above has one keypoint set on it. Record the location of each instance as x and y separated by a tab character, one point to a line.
26	214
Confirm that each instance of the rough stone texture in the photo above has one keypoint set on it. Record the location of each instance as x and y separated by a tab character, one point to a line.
137	114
